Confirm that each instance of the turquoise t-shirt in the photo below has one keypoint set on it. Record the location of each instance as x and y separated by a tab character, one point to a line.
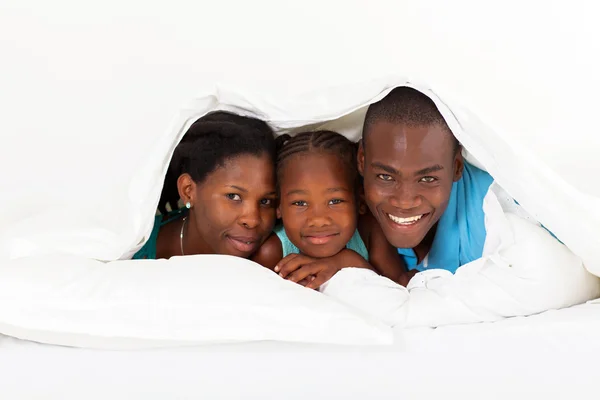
148	251
356	243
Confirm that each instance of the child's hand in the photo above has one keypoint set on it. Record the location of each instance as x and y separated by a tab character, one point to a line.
313	272
297	268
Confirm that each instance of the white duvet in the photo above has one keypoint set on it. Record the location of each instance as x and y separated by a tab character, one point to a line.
89	141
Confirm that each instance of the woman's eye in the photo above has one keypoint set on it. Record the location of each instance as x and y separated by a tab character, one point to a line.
300	203
233	196
428	179
266	202
384	177
335	201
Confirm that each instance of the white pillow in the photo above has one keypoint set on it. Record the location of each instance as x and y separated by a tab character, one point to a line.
73	301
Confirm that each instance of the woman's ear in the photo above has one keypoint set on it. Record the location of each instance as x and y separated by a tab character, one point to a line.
187	189
360	158
459	164
278	212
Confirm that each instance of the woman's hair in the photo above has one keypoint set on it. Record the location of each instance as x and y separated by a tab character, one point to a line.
209	143
328	142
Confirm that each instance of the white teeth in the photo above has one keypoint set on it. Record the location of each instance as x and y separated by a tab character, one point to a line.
405	221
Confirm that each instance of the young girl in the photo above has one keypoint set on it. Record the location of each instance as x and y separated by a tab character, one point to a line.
223	171
318	204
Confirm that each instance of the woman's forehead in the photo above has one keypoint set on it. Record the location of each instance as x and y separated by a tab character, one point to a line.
248	169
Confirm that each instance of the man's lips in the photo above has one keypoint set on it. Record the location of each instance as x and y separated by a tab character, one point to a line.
406	222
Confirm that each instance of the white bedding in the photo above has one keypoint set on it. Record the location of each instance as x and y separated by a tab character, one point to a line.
93	101
552	355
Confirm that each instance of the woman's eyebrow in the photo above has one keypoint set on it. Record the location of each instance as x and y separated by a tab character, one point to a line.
241	189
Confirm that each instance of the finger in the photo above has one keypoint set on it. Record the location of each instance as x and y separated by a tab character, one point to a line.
320	278
306	281
304	272
294	264
284	261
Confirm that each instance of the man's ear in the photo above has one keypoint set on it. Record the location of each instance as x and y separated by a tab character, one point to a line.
360	158
186	188
459	164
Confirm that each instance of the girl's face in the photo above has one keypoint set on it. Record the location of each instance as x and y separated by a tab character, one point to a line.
317	203
234	208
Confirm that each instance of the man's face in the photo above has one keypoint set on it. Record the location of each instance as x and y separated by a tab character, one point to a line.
408	175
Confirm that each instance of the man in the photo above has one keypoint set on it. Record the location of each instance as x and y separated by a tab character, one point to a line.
427	200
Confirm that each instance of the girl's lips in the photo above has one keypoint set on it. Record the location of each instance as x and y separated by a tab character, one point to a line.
320	238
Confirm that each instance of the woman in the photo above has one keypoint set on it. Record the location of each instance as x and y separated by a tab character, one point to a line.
223	171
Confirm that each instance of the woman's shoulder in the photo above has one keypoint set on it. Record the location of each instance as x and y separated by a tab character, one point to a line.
148	250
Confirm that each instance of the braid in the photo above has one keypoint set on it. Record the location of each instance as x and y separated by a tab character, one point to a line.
290	146
209	143
317	142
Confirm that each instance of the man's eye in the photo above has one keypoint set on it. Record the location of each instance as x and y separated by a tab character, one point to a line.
384	177
300	203
335	201
233	196
266	202
428	179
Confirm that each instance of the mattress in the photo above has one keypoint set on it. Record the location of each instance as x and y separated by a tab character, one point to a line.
551	355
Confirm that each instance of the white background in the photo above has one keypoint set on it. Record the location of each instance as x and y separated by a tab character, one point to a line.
85	89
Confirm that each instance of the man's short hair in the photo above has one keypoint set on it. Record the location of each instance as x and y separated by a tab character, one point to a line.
407	106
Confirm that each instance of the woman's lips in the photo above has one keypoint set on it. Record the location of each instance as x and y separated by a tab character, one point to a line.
243	244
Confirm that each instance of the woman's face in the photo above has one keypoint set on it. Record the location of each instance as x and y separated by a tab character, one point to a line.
233	209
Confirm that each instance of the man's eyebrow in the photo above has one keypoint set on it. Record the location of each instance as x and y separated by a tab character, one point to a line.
385	168
429	170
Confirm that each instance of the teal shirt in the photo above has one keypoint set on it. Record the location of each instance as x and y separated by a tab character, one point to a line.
356	243
148	251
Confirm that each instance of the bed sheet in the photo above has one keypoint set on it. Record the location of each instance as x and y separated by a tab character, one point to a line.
552	355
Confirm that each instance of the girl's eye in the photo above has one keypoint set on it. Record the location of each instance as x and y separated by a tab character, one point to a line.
233	196
384	177
266	202
300	203
335	201
428	179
